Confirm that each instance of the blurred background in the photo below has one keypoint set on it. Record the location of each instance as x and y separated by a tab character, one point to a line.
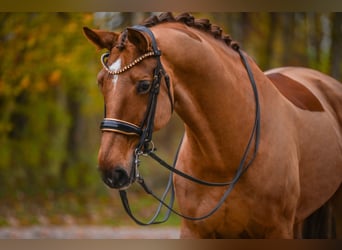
50	107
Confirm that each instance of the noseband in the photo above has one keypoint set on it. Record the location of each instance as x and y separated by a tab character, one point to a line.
145	130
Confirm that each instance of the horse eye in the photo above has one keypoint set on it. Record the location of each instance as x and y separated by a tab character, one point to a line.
143	87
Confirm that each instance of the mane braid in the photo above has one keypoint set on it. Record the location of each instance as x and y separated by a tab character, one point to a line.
190	21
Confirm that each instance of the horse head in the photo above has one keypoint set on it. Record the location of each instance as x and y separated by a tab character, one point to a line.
132	82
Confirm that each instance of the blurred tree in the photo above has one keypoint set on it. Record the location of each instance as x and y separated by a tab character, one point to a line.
46	94
336	46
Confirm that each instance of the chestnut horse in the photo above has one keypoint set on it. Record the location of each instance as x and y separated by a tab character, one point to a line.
291	188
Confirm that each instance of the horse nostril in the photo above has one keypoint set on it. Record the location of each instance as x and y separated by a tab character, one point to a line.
115	178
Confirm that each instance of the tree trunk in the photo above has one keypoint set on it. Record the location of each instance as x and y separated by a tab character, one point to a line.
336	46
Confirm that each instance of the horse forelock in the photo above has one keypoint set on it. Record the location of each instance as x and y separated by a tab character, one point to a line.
121	41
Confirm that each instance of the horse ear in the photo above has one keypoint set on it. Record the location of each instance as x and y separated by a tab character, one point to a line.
102	39
138	39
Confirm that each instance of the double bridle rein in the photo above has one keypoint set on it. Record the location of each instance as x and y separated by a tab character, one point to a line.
145	146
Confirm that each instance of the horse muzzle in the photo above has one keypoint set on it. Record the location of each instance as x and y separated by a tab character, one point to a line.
116	162
117	178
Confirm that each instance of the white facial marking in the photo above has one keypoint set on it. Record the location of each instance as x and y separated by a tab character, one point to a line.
115	67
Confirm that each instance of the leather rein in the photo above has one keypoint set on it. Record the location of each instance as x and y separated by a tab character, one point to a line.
145	130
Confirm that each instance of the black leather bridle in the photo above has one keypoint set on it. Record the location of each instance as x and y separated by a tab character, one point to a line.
145	130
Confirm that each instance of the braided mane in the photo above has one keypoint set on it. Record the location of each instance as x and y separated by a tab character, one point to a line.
189	20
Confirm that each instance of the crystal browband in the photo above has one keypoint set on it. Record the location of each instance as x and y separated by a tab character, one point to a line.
127	67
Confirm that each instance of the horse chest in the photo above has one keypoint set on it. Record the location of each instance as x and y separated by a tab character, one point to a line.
232	220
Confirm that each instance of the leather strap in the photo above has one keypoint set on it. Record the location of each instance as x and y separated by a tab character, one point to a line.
118	126
242	168
145	134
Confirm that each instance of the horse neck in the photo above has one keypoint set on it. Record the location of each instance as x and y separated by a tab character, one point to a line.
213	97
